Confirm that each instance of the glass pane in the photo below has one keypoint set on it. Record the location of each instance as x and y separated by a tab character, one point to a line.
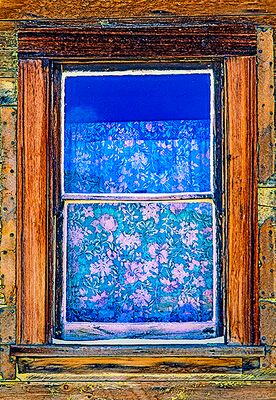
137	134
139	262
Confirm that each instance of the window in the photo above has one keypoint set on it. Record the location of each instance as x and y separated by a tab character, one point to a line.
40	209
140	249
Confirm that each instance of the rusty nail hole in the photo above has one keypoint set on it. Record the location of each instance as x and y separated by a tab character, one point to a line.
271	270
12	142
65	387
5	252
12	234
270	232
260	51
5	209
4	122
263	292
12	198
263	307
12	171
271	86
271	112
13	113
271	63
263	105
263	338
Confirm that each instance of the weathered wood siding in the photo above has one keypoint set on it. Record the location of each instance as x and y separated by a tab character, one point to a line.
180	384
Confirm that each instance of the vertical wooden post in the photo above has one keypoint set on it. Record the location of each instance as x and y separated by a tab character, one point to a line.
32	201
242	228
265	75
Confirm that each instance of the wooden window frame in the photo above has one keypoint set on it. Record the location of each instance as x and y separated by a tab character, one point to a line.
199	330
233	44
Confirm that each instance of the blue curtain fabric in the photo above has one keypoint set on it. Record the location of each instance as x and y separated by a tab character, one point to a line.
137	157
140	262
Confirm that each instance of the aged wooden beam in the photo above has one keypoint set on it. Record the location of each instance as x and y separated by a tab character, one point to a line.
32	201
150	42
88	366
242	227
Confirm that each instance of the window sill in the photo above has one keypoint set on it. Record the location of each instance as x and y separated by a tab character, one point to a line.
128	362
79	350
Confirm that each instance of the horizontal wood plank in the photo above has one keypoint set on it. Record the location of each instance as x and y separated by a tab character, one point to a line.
194	390
138	42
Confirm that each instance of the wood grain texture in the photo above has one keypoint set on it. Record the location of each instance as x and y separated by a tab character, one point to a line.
32	201
138	42
85	367
70	9
242	276
265	102
151	390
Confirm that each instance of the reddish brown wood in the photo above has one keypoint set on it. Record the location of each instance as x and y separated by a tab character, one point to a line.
136	42
32	201
242	276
